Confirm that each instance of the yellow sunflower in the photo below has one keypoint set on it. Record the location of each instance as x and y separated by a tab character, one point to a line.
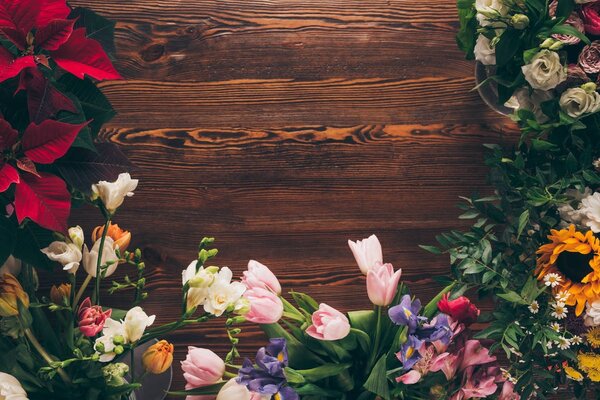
593	337
590	364
575	257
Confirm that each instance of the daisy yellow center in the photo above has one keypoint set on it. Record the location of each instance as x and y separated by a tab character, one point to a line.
575	266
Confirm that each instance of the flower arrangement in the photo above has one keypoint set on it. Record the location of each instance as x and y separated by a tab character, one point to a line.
544	57
397	350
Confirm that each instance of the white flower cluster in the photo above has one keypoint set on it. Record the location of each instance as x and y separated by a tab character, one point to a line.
582	210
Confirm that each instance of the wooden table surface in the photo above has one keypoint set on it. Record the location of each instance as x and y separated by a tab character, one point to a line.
284	128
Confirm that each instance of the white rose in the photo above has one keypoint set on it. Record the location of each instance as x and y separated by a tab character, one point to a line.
10	388
223	293
112	328
11	266
67	254
577	102
484	52
367	252
113	194
590	208
526	99
545	71
592	314
487	9
76	236
135	323
90	257
198	282
584	1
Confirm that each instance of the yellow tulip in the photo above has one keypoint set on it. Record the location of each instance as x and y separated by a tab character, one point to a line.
60	294
11	292
121	237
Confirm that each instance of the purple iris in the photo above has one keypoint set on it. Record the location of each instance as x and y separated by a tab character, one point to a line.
437	329
268	376
409	353
407	313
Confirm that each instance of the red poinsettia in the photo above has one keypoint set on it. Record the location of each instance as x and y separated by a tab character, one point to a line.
40	196
41	31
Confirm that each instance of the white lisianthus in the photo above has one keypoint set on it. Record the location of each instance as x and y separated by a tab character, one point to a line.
592	314
570	215
76	235
526	99
545	71
113	194
11	266
67	254
135	323
10	388
487	9
577	102
590	208
198	281
484	52
109	257
223	293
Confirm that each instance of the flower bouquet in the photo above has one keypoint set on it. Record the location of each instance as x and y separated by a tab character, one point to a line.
397	350
544	57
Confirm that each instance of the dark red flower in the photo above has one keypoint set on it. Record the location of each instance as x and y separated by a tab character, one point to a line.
54	35
460	309
590	13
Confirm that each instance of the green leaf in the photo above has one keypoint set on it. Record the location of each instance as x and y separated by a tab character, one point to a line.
8	237
212	389
564	8
305	302
505	48
30	240
467	32
377	381
323	371
571	31
523	221
543	146
311	389
430	249
469	214
513	297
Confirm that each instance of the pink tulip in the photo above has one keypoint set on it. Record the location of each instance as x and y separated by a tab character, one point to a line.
382	284
202	367
474	354
265	306
367	252
328	324
91	318
260	276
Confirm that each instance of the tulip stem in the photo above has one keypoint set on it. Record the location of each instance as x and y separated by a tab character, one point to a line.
84	285
99	262
375	349
61	372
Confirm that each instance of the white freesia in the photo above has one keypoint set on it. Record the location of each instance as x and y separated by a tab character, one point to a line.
109	256
135	323
10	388
11	266
76	236
112	329
223	293
526	99
235	391
67	254
367	252
592	314
590	208
113	194
545	71
577	102
484	52
487	9
198	281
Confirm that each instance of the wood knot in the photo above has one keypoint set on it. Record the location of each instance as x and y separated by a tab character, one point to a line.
153	52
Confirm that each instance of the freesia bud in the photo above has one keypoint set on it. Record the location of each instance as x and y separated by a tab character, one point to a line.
367	252
589	87
547	43
11	293
120	237
119	350
112	194
260	276
135	323
520	21
60	294
382	284
328	324
76	236
202	367
265	306
118	339
557	45
114	374
158	357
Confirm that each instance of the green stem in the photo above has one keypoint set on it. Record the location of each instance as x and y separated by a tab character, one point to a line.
33	340
99	262
132	363
84	285
375	350
431	307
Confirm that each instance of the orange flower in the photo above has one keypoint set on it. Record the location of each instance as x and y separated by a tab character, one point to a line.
11	293
158	357
60	295
121	237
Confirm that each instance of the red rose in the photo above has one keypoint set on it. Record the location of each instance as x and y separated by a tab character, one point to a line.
460	309
590	13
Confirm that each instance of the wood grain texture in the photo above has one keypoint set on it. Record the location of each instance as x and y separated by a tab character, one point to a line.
285	127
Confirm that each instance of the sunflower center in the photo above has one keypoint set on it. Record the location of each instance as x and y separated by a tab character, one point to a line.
575	266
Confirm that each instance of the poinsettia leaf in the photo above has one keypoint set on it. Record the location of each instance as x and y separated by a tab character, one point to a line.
20	14
30	239
95	105
97	27
15	36
26	165
11	66
84	139
8	176
48	141
52	10
43	99
82	168
8	135
44	200
55	34
82	56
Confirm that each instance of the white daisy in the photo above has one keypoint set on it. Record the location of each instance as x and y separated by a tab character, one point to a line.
555	326
560	310
552	280
576	340
562	296
563	343
534	307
